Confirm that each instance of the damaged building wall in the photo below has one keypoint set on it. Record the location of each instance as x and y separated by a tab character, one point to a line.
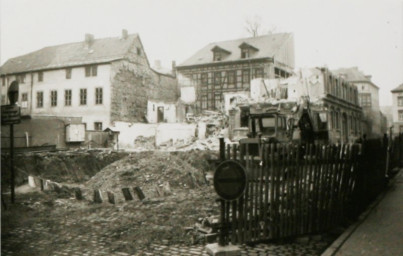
133	82
158	112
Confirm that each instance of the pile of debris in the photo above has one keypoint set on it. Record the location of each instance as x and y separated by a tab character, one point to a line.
152	171
205	230
144	143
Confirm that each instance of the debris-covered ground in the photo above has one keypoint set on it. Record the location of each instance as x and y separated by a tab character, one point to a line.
51	223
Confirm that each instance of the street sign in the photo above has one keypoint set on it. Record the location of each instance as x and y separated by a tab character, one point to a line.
10	114
230	180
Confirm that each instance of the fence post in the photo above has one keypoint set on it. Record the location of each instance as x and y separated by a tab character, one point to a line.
222	149
223	229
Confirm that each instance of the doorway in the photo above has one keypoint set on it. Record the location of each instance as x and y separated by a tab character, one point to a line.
160	114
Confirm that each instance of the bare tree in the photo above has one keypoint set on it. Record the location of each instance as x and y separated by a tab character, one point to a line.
253	25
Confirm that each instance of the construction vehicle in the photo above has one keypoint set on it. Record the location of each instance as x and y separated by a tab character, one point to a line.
283	121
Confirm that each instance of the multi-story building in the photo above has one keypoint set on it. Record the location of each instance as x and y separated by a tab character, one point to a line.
335	113
397	109
368	95
229	66
101	80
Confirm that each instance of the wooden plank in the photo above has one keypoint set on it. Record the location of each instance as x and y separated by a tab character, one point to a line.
310	190
288	190
246	208
243	212
265	176
282	192
277	220
234	222
317	166
271	185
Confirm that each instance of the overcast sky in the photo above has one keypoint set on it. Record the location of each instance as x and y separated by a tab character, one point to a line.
363	33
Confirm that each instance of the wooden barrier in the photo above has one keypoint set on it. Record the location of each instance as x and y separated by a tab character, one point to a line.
296	190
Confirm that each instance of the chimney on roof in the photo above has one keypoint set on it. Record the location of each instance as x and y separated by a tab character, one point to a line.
368	77
157	64
124	34
89	39
174	68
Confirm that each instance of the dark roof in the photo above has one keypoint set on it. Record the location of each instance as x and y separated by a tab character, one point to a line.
398	89
72	54
267	47
353	74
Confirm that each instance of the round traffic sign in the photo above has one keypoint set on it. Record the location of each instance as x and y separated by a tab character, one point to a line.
230	180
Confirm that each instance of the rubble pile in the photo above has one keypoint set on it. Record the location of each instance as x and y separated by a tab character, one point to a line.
144	143
205	230
149	170
75	165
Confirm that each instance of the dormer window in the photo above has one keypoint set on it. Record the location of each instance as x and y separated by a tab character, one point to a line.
244	53
247	50
219	53
217	56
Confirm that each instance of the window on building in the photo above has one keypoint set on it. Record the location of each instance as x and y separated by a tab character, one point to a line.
365	99
217	56
3	81
217	100
245	53
245	76
83	96
138	51
91	70
68	73
40	76
400	101
24	100
98	95
21	78
204	79
67	97
258	73
3	99
53	98
231	79
98	126
400	115
204	102
39	99
217	80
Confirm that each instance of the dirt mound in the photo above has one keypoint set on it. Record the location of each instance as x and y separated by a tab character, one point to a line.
61	166
150	170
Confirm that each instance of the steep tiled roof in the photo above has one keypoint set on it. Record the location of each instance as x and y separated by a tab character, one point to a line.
353	75
72	54
398	89
267	46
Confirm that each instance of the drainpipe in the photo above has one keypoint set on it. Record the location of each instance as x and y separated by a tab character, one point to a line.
32	86
27	138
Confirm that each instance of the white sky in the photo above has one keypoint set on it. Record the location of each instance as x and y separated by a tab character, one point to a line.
363	33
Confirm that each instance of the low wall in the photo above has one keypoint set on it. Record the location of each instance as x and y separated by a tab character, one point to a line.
35	132
162	133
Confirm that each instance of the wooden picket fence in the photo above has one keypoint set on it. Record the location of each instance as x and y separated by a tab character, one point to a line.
295	190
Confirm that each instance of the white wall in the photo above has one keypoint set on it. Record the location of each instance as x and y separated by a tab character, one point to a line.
174	132
56	80
163	132
169	111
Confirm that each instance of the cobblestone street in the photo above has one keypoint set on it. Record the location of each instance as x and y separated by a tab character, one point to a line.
71	227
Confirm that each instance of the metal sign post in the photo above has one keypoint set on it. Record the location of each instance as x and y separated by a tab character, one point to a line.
10	115
230	181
